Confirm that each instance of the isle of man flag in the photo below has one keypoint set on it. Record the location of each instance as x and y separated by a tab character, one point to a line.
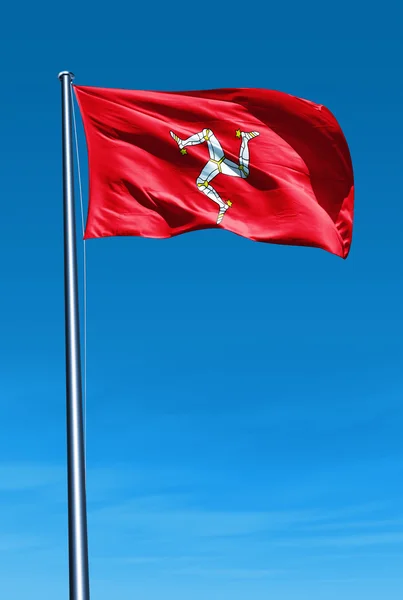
263	164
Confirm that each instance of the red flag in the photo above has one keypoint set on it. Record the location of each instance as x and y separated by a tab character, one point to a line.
263	164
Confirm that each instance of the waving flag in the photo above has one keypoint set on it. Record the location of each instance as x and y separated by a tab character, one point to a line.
263	164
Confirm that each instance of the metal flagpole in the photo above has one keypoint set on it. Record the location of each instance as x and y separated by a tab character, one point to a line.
78	542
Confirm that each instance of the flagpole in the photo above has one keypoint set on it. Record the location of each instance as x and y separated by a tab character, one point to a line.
77	515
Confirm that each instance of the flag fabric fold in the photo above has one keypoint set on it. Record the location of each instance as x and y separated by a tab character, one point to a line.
263	164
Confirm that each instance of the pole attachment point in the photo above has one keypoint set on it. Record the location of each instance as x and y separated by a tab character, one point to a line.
69	73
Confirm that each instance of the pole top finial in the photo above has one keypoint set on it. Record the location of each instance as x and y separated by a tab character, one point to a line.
63	73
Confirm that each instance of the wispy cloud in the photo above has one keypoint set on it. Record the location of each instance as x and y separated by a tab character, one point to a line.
392	538
16	477
157	512
17	543
241	536
230	573
191	539
352	525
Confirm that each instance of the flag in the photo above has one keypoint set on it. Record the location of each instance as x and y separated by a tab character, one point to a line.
263	164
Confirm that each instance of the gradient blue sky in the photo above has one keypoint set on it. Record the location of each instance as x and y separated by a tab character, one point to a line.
244	400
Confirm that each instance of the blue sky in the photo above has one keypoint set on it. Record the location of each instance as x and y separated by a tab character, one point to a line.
243	422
